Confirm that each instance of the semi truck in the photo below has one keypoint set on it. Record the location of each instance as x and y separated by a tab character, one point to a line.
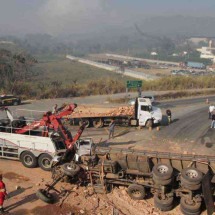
143	113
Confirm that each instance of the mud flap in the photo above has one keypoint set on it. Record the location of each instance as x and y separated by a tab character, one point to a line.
207	193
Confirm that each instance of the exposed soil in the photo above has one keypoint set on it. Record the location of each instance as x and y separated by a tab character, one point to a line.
14	176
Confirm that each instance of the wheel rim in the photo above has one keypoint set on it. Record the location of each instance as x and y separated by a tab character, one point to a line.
192	173
46	162
87	123
46	193
162	169
136	193
98	123
189	202
71	167
28	159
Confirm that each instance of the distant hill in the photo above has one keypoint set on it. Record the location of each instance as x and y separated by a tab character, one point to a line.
179	25
160	33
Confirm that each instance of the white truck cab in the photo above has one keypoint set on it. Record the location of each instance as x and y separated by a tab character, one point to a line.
146	114
84	147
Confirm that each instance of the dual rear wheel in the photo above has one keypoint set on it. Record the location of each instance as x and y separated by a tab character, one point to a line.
29	160
96	122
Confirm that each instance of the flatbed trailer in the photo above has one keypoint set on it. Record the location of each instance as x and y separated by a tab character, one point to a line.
141	114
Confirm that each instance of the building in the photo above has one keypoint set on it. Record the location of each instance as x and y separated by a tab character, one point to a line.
195	65
207	52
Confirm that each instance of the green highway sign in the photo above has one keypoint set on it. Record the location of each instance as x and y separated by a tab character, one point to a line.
134	84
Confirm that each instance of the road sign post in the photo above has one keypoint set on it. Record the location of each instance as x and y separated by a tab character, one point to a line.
135	84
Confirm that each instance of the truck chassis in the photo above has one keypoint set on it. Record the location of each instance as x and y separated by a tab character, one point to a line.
166	175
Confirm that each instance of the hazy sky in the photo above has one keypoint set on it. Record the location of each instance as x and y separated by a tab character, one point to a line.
78	16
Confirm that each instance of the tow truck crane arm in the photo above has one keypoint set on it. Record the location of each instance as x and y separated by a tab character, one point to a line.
49	119
53	121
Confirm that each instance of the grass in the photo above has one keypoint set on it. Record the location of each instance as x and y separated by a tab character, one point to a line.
77	79
169	95
66	71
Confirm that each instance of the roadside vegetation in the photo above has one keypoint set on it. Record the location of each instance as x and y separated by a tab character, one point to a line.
55	77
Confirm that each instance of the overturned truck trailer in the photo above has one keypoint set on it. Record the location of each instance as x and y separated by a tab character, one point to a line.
166	175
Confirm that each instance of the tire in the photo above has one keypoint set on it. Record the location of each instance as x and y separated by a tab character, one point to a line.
45	196
190	208
98	123
162	172
70	169
189	213
188	186
191	175
136	192
163	204
162	182
28	159
44	162
149	123
15	124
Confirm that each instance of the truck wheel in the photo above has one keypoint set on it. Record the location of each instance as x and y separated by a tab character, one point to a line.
136	192
149	123
189	213
189	186
162	171
191	175
45	162
163	204
45	196
70	169
98	123
15	124
86	121
28	159
162	182
190	206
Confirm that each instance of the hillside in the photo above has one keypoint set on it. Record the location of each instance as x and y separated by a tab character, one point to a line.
57	68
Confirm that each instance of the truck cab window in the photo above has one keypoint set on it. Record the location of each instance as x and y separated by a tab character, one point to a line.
145	108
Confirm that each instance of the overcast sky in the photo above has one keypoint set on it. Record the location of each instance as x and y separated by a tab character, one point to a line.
78	16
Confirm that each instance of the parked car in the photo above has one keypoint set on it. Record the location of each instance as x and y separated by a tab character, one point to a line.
9	100
152	99
132	101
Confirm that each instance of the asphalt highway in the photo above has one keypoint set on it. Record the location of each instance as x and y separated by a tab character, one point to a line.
190	130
